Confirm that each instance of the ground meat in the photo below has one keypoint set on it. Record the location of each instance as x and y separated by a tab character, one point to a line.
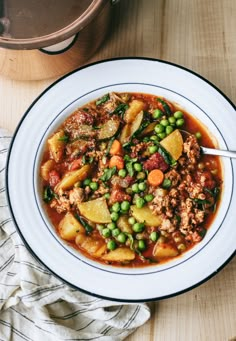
167	225
61	204
53	178
138	148
122	182
79	117
79	147
192	149
156	161
76	195
173	176
205	179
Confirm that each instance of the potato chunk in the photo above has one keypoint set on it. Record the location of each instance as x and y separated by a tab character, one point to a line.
69	227
95	247
124	225
134	108
56	145
130	128
46	168
95	210
108	129
173	144
145	215
72	177
120	254
164	250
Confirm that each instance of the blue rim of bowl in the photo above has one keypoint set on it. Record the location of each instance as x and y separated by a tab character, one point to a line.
8	165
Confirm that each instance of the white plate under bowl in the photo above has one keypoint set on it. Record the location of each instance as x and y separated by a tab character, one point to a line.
191	92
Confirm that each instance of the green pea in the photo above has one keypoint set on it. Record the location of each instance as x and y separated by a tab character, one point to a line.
106	233
93	185
141	175
111	226
152	149
131	220
164	123
129	190
138	227
135	188
180	122
122	173
114	216
100	227
141	245
161	135
166	183
145	139
115	207
121	238
169	130
159	128
115	232
172	120
148	197
139	202
111	245
125	205
138	167
198	135
178	114
154	236
142	186
157	113
153	138
107	195
86	182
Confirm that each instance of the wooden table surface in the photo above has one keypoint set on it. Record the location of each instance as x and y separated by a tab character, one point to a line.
200	35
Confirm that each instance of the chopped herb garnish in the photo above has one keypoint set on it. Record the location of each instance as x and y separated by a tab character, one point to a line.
166	107
109	145
129	165
120	109
64	138
88	228
201	203
83	160
48	194
215	194
108	172
167	157
103	99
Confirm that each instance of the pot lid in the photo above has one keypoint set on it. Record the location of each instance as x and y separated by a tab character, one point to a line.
28	24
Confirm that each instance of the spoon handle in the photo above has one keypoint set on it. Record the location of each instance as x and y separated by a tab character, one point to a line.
212	151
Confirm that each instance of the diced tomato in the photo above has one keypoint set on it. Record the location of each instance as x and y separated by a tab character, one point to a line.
156	161
118	195
75	164
54	178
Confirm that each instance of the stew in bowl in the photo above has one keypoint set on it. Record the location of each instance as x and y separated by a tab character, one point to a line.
124	185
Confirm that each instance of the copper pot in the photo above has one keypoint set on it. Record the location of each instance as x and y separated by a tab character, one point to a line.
48	38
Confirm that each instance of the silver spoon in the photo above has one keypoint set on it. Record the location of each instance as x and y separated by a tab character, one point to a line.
213	151
219	152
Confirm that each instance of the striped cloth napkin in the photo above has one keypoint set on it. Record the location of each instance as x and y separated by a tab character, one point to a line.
36	306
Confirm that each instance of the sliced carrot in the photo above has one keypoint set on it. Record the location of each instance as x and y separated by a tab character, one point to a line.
116	161
155	177
116	148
